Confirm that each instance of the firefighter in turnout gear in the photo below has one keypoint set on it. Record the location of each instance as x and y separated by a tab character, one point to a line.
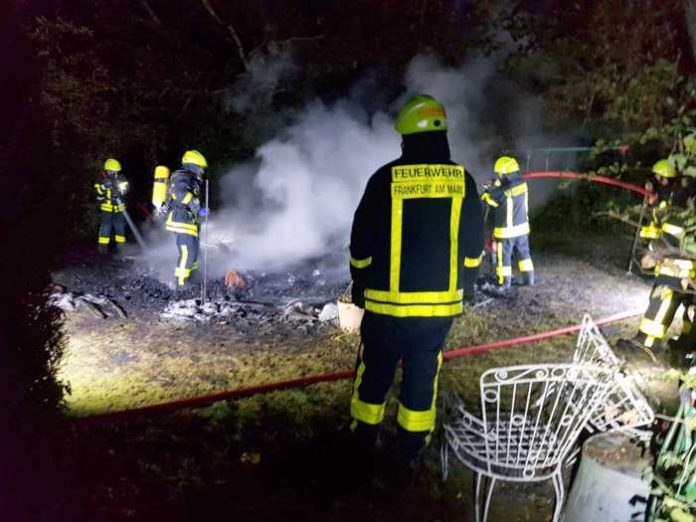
685	165
509	198
674	285
416	244
184	207
111	187
663	186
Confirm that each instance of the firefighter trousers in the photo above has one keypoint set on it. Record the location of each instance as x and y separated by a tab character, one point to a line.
416	342
188	246
505	250
665	298
109	221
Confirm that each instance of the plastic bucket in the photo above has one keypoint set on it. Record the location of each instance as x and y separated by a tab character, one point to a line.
349	316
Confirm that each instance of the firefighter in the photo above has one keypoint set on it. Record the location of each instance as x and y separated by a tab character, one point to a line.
509	199
111	187
675	273
685	165
416	244
662	186
185	209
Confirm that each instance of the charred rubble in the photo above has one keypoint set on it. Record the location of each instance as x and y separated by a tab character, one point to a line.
304	294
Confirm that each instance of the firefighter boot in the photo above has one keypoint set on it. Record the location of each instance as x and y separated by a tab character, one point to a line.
361	453
683	343
527	278
638	344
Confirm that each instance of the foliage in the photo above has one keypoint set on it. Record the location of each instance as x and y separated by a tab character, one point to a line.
612	63
139	82
674	481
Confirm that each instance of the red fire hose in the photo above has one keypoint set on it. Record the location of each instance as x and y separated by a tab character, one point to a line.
329	377
587	177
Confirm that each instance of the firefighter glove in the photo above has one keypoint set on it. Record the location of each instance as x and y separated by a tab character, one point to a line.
358	295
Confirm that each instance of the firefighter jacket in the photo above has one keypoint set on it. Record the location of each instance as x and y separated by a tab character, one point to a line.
417	234
510	198
676	193
678	263
184	203
110	189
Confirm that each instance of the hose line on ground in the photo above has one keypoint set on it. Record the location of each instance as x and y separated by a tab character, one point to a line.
195	402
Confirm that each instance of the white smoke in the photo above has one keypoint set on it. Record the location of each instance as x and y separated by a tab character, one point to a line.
296	199
462	91
306	186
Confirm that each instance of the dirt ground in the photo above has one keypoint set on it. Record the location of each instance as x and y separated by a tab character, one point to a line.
283	455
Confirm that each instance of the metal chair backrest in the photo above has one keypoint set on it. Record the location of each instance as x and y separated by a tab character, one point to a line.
533	414
592	347
625	407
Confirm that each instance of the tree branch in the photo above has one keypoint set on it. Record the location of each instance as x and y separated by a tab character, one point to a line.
230	29
150	12
690	15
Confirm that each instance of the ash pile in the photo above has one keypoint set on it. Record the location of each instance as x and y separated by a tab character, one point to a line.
300	298
303	297
304	294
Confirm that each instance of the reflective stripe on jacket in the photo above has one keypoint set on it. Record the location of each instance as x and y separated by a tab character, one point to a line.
510	198
184	191
109	190
417	234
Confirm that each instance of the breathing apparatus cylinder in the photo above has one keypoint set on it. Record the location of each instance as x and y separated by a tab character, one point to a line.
159	187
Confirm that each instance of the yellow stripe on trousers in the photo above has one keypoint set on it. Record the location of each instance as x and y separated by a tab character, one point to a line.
651	327
181	273
412	420
360	410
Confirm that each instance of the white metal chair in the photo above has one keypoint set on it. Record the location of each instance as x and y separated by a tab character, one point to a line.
531	417
625	407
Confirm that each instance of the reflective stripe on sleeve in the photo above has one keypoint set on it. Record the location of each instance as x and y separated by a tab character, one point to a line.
473	262
673	230
489	200
361	263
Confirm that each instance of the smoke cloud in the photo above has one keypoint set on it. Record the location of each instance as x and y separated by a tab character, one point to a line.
302	190
295	200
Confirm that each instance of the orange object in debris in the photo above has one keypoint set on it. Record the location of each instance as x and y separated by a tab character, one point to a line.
234	280
54	288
